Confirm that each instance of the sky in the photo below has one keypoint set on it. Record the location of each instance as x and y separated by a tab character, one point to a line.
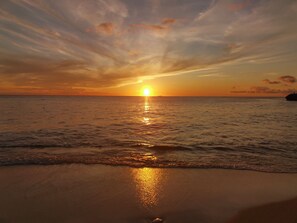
174	47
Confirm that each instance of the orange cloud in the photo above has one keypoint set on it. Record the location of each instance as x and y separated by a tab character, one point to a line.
267	81
53	52
152	27
268	90
168	21
237	6
161	28
288	79
263	90
106	28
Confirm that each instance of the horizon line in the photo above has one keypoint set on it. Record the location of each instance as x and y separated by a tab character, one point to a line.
153	96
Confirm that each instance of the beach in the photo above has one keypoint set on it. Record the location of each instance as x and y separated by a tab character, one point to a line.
148	111
109	194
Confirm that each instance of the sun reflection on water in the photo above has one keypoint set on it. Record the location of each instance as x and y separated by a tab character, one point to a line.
148	185
146	105
146	120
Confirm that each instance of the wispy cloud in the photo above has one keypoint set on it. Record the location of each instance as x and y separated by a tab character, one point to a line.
239	5
282	83
160	29
267	81
45	45
288	79
168	21
264	90
106	28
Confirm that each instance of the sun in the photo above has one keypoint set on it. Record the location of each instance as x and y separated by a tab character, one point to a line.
146	92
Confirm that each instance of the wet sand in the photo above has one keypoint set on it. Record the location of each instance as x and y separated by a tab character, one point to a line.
97	193
277	212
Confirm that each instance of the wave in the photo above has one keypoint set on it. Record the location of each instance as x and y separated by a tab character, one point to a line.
149	157
161	148
139	165
95	145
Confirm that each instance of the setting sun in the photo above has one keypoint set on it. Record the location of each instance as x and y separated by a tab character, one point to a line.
156	110
146	92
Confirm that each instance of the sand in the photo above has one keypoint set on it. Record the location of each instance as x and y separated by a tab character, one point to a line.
278	212
106	194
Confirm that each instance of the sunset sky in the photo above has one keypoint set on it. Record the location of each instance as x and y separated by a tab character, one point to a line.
174	47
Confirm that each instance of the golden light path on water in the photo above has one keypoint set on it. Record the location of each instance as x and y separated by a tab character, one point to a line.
146	119
148	181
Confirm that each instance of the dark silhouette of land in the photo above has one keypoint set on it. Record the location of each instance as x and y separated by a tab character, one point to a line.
292	97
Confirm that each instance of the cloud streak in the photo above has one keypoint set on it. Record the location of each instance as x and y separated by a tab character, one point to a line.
264	90
93	45
106	28
267	81
288	79
284	80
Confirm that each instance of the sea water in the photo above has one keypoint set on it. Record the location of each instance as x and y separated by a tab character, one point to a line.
183	132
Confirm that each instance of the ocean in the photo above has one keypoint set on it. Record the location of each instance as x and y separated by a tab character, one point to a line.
179	132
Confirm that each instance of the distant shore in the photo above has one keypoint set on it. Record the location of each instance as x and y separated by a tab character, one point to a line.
98	193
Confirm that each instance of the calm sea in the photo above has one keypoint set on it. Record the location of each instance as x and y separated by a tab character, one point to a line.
198	132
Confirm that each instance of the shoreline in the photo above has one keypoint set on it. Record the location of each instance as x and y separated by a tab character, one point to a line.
102	193
141	167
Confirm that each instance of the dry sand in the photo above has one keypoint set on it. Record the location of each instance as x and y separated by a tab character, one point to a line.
105	194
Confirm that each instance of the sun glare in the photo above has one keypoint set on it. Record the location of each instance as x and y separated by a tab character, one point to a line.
146	92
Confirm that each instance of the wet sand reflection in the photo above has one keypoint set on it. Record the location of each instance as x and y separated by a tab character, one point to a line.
148	183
